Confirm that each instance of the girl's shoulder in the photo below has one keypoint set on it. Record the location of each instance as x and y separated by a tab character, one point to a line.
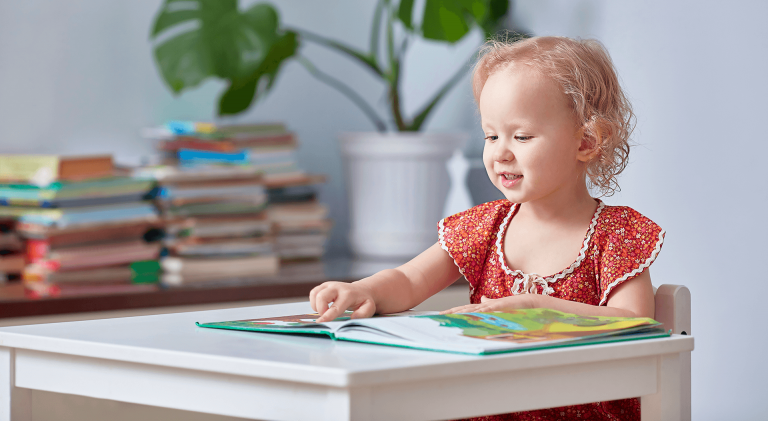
623	220
478	223
468	236
484	211
625	243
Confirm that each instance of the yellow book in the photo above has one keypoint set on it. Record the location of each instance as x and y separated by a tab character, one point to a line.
42	170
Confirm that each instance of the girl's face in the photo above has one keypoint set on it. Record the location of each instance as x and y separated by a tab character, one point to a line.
532	145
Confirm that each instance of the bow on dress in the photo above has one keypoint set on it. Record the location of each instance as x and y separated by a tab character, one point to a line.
529	284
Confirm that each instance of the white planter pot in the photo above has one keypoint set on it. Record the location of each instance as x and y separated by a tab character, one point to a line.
397	185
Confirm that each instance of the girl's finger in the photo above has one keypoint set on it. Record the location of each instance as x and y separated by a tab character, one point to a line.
313	295
459	309
329	315
341	302
366	309
323	299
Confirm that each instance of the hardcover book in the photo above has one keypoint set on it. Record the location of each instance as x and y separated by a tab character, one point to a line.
465	333
42	170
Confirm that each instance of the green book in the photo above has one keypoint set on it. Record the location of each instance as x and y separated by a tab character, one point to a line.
75	193
465	333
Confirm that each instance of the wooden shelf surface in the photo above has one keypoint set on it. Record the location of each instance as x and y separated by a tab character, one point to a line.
294	280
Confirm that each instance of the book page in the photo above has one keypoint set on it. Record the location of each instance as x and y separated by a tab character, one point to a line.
490	332
29	168
299	323
470	333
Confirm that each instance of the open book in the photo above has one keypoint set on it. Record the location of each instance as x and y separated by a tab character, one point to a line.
466	333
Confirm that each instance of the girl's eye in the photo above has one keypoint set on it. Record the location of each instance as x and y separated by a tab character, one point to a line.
523	138
492	138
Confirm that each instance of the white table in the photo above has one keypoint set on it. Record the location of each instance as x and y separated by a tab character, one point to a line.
167	361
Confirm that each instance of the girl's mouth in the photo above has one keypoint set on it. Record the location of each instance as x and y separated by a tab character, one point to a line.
510	180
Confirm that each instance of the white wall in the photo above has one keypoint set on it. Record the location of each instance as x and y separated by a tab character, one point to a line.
696	74
77	76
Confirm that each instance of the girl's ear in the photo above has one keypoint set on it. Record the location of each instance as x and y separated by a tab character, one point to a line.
591	137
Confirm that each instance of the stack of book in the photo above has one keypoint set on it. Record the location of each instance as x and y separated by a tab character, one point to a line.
268	149
213	198
216	229
89	227
301	222
11	251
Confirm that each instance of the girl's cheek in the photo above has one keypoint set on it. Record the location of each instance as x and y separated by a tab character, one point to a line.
486	154
488	160
489	151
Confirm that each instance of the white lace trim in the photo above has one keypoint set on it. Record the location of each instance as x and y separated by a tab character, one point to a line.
441	234
527	283
636	271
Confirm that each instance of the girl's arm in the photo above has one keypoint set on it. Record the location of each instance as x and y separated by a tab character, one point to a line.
633	298
388	291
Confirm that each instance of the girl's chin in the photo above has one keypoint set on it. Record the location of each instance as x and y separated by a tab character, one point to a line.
513	196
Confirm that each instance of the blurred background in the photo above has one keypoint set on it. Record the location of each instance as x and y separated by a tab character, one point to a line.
78	77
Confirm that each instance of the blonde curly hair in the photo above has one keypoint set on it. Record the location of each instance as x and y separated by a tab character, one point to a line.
587	76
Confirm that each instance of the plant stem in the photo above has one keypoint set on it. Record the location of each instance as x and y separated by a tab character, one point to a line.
375	29
394	72
422	115
351	52
403	46
346	91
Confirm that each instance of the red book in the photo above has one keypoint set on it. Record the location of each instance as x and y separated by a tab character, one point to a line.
201	145
37	250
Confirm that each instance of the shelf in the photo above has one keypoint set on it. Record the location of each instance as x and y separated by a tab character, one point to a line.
295	280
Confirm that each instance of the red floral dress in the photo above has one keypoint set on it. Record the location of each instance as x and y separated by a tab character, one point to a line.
618	246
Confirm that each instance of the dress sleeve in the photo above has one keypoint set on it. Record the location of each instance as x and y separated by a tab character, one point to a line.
632	243
468	236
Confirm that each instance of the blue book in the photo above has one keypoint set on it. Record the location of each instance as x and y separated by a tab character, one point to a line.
92	214
198	156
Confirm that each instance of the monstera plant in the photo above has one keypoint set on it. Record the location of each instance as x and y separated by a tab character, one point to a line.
199	39
396	173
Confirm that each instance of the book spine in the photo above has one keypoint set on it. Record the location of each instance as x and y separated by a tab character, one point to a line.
85	167
211	146
40	169
37	250
287	139
192	155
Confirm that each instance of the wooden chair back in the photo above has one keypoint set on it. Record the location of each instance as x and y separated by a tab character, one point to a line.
673	309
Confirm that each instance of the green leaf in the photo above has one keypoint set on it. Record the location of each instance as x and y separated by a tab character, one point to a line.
474	9
405	13
215	38
242	92
447	20
494	20
182	61
430	26
166	20
237	98
478	10
453	24
451	20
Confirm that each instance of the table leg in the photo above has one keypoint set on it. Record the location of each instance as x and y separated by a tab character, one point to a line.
665	404
348	404
15	403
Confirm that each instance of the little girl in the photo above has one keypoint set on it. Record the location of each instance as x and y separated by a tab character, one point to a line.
556	122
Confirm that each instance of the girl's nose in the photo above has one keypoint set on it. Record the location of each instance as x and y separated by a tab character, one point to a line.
502	152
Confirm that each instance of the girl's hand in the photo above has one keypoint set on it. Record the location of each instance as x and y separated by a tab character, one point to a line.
344	297
488	305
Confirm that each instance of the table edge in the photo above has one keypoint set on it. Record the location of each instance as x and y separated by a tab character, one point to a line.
339	377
